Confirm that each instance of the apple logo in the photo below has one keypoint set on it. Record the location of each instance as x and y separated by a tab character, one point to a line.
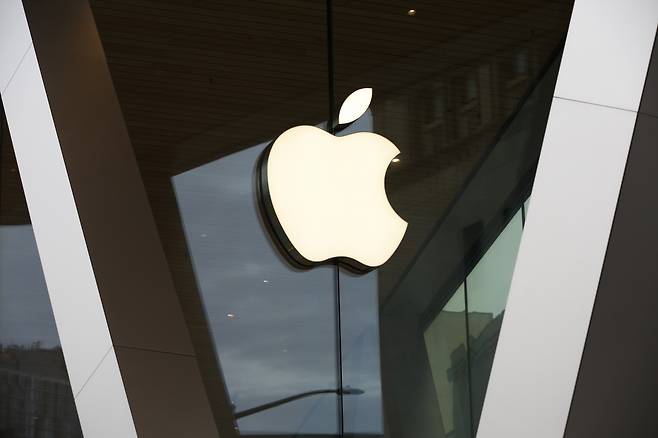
323	197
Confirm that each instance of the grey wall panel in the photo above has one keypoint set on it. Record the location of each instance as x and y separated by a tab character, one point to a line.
169	384
607	52
617	389
103	410
120	233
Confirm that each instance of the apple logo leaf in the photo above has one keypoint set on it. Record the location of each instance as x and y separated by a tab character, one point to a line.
355	105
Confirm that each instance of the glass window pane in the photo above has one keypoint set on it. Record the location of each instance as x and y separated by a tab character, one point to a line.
446	344
360	352
204	87
465	99
462	89
487	287
273	326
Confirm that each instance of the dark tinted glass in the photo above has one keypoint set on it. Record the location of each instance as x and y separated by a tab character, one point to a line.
463	89
35	395
204	87
273	327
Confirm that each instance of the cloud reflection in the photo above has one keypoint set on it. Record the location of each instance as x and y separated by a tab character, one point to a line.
281	340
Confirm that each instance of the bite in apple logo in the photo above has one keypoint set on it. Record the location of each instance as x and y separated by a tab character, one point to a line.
323	196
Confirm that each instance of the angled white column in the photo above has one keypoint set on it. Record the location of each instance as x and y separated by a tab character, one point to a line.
574	198
130	359
74	295
14	39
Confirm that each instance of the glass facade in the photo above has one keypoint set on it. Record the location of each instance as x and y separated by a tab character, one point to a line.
462	89
36	400
486	288
270	323
461	340
446	341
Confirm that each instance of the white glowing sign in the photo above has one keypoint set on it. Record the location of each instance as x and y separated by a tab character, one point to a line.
324	196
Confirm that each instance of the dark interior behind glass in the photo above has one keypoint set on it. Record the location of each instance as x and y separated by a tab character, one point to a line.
462	88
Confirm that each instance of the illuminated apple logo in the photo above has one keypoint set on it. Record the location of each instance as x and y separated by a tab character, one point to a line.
324	197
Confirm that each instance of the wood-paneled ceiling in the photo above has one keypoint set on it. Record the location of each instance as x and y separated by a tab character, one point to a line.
200	79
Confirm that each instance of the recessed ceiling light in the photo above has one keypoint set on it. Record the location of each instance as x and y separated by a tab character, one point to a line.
411	12
266	281
230	315
395	160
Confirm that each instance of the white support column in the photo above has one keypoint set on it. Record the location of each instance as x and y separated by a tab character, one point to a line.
573	202
83	331
131	362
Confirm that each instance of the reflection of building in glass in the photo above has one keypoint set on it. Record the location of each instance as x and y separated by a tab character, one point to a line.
445	341
35	397
461	339
455	383
482	348
457	113
449	360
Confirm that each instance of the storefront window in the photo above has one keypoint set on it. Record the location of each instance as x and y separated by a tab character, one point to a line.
464	94
447	350
487	286
462	89
271	328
